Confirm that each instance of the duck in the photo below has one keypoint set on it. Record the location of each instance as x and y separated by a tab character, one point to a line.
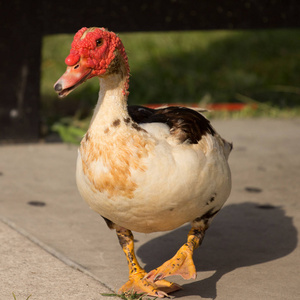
144	169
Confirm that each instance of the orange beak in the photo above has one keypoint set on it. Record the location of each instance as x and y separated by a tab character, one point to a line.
72	78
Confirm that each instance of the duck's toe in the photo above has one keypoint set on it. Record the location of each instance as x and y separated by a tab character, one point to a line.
138	283
181	264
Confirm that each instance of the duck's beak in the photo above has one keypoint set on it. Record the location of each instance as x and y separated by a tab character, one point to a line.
72	78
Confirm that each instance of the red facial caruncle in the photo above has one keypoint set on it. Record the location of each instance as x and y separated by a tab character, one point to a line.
88	48
91	53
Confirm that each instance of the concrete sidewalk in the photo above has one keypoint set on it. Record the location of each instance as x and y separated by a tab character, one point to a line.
52	246
27	268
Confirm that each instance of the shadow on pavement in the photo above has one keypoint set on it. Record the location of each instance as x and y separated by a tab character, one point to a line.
241	235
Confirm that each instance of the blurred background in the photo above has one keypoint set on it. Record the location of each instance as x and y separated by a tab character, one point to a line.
237	60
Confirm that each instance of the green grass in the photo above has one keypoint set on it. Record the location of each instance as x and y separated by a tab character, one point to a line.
15	298
188	67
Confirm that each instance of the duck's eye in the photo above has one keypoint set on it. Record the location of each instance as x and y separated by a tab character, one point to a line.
99	42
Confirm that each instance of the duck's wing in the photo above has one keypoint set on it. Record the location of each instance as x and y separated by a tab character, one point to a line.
185	124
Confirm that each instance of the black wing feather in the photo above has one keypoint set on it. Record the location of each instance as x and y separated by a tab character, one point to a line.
186	124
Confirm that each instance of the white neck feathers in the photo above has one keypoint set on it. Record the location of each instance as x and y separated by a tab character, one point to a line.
112	103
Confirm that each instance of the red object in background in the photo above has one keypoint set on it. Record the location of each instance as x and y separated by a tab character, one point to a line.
229	106
212	106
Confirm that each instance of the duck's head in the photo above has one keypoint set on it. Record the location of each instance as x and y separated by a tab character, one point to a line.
94	52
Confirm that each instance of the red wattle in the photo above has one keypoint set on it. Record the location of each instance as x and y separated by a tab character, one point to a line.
72	59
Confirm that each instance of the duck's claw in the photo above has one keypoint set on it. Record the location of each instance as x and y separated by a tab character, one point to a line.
138	283
181	264
167	286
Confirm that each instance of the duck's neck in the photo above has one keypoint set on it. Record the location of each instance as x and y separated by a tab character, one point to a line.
112	101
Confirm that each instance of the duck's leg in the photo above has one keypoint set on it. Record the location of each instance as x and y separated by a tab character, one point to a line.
182	263
137	281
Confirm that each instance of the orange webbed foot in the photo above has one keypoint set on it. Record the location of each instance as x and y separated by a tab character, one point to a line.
181	264
138	283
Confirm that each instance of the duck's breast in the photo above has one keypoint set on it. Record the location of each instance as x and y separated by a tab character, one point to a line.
159	189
